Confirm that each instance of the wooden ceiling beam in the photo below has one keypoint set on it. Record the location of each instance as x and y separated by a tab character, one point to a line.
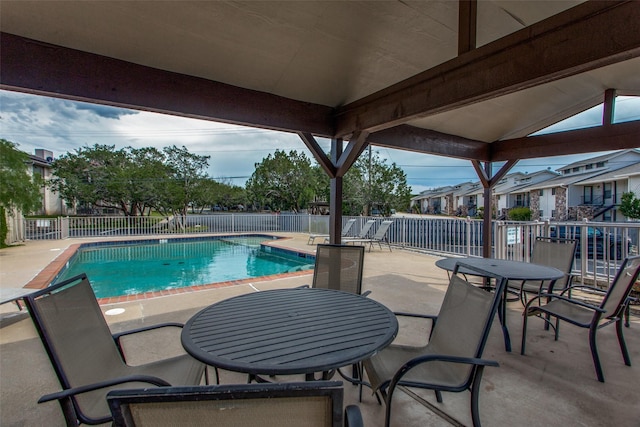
467	25
427	141
39	68
617	136
588	36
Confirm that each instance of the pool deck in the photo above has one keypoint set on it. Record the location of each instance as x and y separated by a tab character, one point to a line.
554	384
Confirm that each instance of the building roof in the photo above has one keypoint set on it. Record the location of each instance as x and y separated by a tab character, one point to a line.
598	159
614	175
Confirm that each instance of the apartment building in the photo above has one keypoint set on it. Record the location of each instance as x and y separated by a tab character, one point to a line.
40	164
588	189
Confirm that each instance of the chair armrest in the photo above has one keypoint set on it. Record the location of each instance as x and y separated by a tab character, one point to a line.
422	316
117	336
103	384
447	358
585	287
365	293
353	417
563	298
433	358
433	318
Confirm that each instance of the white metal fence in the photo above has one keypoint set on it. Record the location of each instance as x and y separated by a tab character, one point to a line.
601	246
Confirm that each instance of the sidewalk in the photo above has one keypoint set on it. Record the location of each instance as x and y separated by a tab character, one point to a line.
554	384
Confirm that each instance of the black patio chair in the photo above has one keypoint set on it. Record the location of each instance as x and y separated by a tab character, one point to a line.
552	252
589	316
88	360
452	358
309	404
379	237
340	267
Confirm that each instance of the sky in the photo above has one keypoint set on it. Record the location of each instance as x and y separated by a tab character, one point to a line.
61	126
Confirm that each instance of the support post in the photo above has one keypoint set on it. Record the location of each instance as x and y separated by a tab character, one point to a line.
335	197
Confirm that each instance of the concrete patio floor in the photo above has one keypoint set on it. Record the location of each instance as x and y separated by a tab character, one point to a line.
553	385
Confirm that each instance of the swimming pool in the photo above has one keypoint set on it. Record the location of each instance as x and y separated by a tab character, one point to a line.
127	268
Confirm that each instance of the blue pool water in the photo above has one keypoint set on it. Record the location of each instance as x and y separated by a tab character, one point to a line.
133	268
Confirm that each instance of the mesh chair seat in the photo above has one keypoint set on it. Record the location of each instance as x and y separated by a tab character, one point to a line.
610	311
451	359
379	237
557	253
339	267
311	404
571	313
180	370
85	354
436	373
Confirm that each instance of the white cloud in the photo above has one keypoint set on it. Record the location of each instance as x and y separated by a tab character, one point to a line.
62	126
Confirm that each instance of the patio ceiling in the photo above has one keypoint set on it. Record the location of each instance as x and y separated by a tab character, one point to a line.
460	79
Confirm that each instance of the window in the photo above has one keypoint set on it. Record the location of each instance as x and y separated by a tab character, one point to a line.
607	190
541	192
576	169
553	213
587	195
589	166
600	164
553	191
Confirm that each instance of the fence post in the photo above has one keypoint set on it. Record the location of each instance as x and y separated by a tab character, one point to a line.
468	235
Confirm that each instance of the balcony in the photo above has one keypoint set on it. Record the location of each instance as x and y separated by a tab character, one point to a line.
554	384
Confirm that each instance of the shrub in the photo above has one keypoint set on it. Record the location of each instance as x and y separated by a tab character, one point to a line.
520	214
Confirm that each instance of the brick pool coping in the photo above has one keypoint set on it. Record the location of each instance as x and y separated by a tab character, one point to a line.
49	273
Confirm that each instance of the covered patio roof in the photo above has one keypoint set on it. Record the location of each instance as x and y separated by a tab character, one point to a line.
467	79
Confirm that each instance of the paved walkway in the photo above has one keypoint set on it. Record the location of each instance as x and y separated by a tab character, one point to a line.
554	384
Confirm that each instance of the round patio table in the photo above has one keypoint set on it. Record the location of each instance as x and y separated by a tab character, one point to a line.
510	270
289	331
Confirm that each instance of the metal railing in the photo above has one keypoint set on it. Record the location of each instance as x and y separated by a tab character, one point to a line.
602	245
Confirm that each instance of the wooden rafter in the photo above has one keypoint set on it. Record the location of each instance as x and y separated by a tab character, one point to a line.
612	137
34	67
505	66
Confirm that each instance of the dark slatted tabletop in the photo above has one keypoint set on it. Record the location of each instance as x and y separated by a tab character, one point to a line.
512	270
289	331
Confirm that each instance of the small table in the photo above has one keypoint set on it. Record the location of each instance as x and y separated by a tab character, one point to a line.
510	270
14	295
289	331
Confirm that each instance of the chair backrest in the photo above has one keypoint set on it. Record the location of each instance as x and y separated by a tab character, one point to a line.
365	229
75	335
347	226
614	300
310	404
558	253
464	322
339	267
382	230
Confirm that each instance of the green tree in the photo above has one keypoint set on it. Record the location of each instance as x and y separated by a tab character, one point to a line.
630	206
384	186
146	178
94	177
282	181
520	214
370	183
187	171
133	181
18	189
